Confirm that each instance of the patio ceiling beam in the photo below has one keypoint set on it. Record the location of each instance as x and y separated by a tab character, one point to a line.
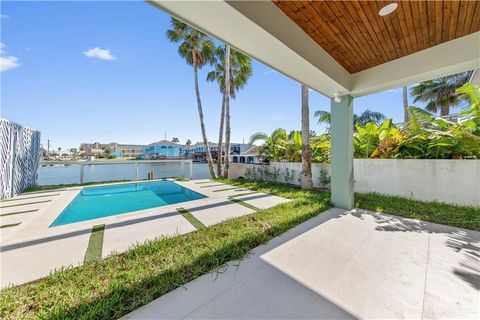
459	55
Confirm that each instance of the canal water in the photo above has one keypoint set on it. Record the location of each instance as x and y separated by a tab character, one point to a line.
69	174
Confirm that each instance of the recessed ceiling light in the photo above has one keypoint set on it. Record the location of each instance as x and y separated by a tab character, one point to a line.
388	9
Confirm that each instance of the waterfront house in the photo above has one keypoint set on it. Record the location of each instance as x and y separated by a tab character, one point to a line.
164	149
126	150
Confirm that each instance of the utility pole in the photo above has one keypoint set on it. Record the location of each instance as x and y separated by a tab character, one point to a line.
165	135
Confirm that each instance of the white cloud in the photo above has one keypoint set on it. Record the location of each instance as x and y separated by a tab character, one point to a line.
7	62
99	53
4	16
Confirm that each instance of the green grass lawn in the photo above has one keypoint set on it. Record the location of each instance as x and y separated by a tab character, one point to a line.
112	287
436	212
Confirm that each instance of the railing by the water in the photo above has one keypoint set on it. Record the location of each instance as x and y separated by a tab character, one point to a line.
69	172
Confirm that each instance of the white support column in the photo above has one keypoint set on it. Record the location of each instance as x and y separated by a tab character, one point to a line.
342	152
182	168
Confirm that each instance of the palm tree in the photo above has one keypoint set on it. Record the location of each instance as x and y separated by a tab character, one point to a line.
440	93
237	67
197	50
362	119
189	142
175	140
273	145
405	104
307	182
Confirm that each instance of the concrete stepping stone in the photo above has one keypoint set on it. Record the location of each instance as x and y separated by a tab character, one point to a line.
262	200
217	210
119	236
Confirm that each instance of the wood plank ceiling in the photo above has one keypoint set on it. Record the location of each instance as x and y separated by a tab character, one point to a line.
358	38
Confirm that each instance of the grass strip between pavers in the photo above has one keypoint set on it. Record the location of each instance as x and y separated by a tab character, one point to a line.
189	216
226	189
33	197
243	203
95	244
202	182
17	212
24	204
243	194
9	225
213	185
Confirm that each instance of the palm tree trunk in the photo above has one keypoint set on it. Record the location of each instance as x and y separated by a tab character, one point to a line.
307	182
220	138
444	111
202	124
406	116
227	111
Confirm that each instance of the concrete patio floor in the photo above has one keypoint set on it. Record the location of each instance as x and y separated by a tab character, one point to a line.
340	265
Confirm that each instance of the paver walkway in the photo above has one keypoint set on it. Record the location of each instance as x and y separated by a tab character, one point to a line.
341	265
31	250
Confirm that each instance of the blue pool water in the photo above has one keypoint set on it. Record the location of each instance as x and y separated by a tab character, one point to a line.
98	202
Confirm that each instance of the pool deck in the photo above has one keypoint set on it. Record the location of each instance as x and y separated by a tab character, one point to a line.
340	265
31	250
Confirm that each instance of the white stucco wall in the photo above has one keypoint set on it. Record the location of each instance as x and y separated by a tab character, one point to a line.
451	181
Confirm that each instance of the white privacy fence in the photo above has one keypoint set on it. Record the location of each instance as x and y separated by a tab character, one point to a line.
19	158
73	172
450	181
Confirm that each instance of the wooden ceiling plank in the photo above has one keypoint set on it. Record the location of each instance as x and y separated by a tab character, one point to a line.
416	19
355	52
402	37
431	23
476	19
407	11
351	31
388	45
452	29
402	20
467	23
422	6
369	29
341	55
368	37
388	29
438	21
462	14
446	20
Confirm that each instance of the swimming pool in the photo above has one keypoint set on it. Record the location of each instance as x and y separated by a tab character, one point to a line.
105	201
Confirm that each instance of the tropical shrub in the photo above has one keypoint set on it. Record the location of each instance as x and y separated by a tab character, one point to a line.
423	136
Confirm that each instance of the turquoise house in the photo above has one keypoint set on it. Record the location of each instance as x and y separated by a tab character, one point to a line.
163	149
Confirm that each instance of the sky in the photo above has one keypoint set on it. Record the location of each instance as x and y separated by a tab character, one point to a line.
105	71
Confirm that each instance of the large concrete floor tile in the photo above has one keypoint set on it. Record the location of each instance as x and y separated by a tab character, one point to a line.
239	302
284	294
16	218
213	214
338	236
453	276
39	257
367	293
389	255
120	236
26	207
262	200
307	264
